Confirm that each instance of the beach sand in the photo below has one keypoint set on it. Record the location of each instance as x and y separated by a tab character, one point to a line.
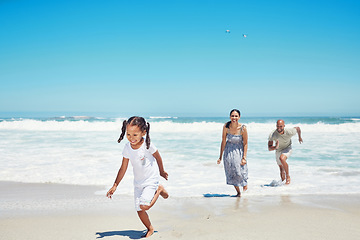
54	211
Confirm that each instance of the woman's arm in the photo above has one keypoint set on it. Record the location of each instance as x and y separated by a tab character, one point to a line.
160	164
223	143
119	177
245	144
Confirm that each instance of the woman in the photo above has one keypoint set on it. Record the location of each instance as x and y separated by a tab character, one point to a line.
234	146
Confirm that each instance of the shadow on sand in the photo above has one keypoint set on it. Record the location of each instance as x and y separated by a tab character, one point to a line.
132	234
217	195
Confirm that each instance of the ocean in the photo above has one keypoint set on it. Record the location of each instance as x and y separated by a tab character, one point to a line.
83	150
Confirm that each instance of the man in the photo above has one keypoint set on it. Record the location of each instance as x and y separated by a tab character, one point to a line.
282	138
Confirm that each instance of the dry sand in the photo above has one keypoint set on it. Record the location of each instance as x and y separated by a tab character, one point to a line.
52	211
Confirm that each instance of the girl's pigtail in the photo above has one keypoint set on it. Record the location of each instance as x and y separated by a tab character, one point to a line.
228	124
147	140
123	130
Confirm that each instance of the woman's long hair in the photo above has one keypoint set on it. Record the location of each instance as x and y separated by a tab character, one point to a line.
234	110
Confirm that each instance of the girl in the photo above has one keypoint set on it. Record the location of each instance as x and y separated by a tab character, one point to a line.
234	147
147	165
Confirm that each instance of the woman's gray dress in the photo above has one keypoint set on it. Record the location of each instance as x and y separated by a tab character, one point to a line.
236	174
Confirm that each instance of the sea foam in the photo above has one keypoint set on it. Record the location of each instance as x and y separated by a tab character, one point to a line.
85	151
166	126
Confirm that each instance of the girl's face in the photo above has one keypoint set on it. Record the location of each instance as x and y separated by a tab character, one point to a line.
135	136
234	117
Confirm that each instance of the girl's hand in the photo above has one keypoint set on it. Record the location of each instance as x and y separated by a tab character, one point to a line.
111	191
219	161
164	175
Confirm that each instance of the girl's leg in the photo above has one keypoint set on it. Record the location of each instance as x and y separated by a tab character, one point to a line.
144	217
163	192
160	191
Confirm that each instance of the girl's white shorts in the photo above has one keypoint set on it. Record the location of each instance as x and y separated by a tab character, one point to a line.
144	194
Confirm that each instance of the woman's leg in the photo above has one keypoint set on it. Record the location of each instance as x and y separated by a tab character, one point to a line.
238	191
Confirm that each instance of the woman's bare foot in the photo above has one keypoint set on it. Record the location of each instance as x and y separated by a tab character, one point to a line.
287	180
245	188
163	192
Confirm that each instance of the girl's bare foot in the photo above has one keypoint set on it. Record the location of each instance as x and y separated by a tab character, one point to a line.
245	188
148	233
163	192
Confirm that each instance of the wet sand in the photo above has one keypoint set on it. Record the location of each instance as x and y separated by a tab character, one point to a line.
54	211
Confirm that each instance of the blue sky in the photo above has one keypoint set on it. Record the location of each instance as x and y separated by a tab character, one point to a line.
300	58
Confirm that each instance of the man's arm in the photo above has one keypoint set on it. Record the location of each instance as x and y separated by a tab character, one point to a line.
271	147
299	134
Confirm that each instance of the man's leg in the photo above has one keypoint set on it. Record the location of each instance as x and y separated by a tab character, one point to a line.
285	167
282	173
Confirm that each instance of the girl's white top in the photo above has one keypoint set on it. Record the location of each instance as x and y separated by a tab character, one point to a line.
146	170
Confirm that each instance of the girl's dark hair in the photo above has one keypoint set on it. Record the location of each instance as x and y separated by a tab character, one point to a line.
141	123
228	123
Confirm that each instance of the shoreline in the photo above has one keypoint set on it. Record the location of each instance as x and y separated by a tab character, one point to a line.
56	211
18	198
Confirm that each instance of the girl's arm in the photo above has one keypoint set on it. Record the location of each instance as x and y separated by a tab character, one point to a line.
119	177
223	143
160	164
245	144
